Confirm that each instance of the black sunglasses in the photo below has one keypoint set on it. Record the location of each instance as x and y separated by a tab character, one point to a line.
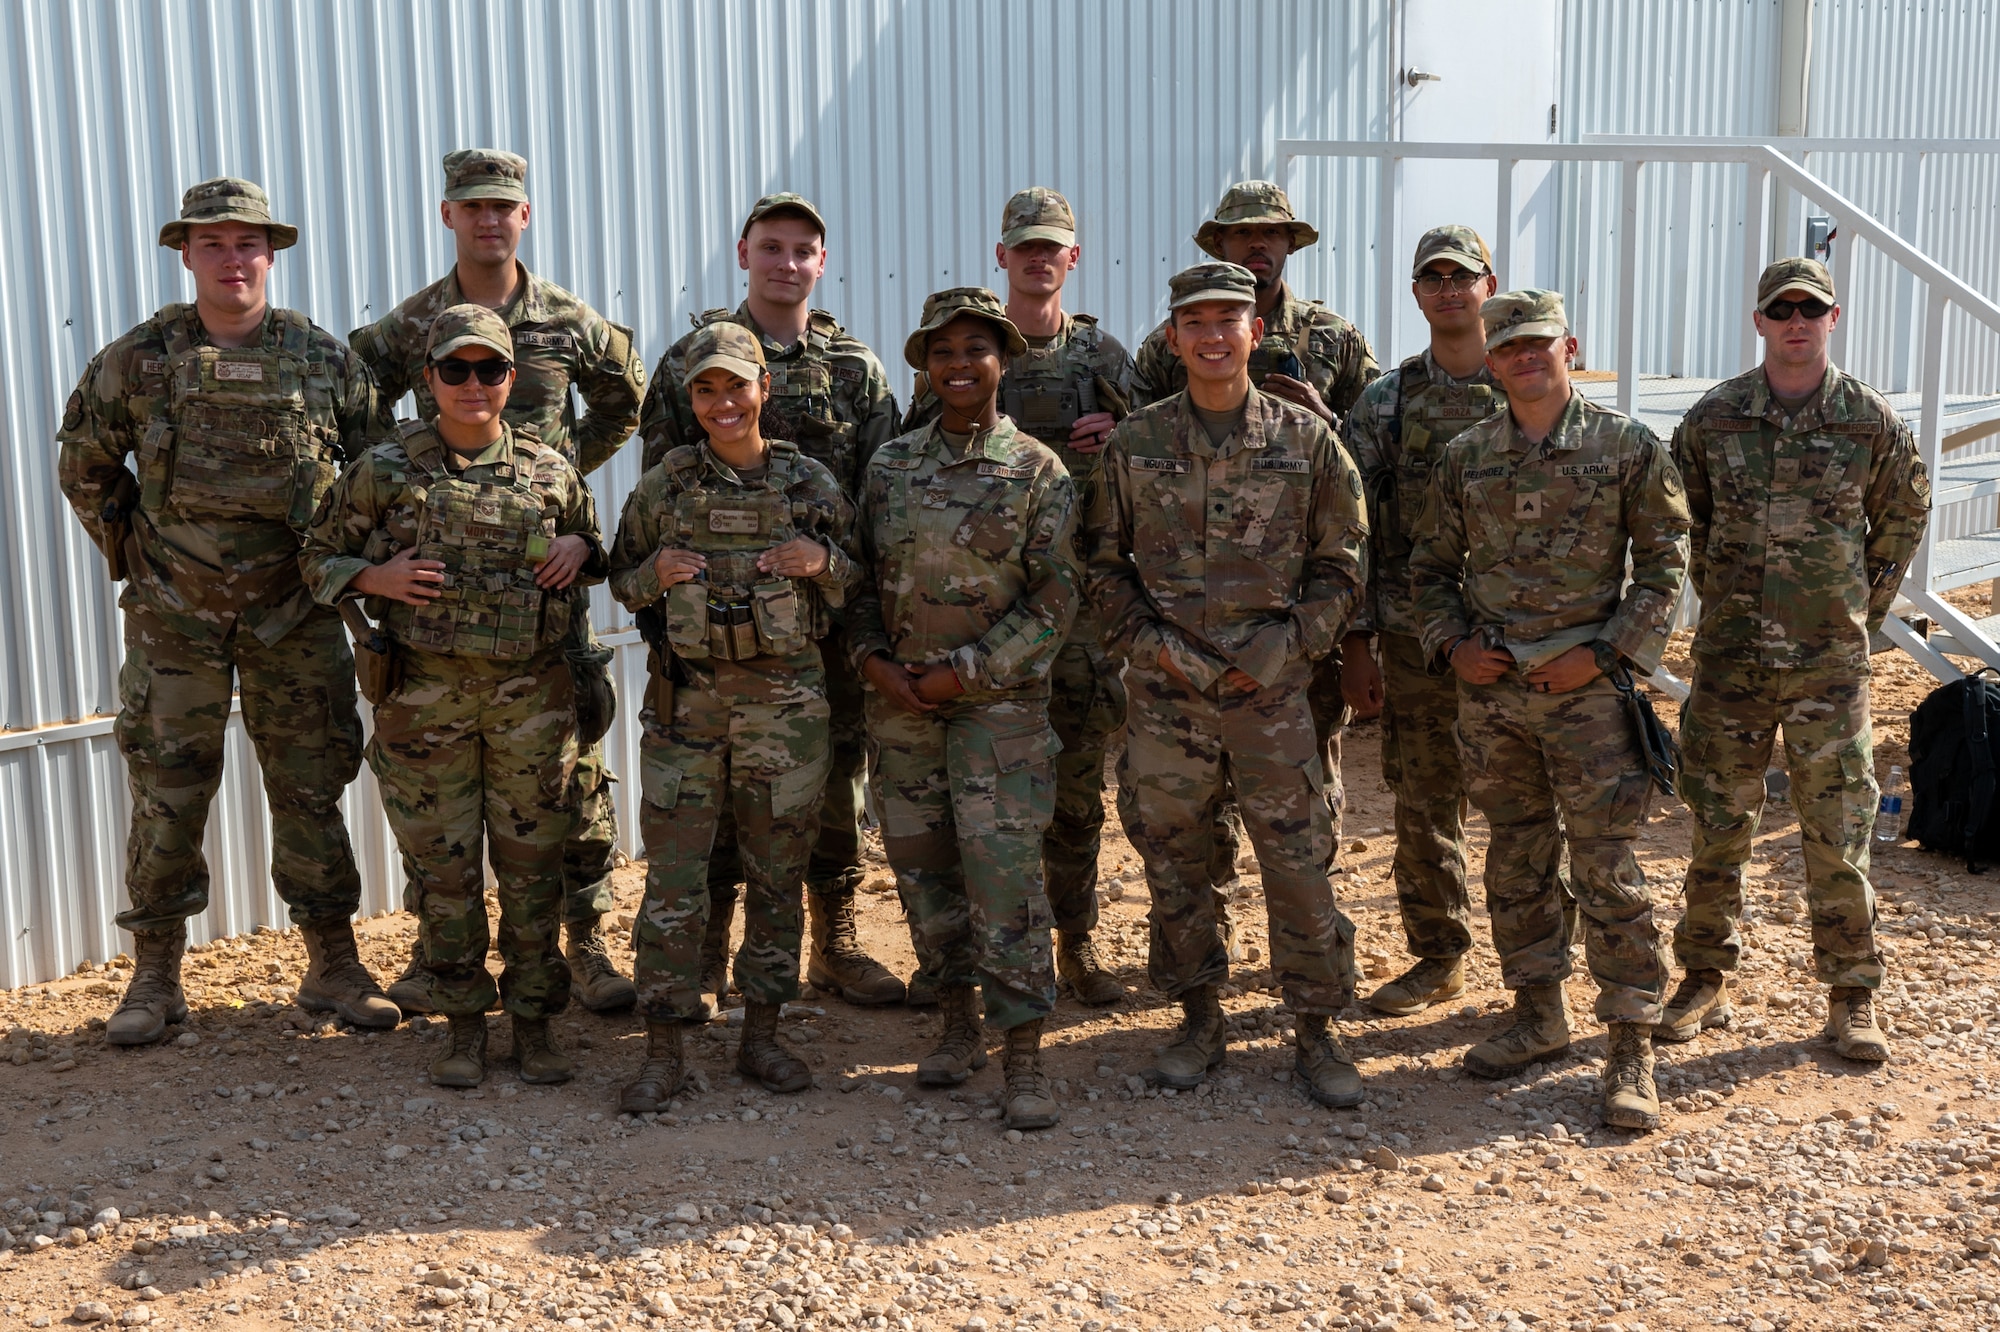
492	373
1430	284
1811	307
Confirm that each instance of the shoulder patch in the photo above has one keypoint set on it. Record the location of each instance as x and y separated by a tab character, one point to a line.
1281	465
73	410
1177	466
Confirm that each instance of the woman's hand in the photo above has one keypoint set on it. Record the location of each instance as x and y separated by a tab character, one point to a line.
801	557
677	566
935	684
403	577
896	683
562	564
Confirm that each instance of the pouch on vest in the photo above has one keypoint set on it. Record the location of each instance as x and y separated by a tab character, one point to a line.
775	608
156	465
687	618
732	630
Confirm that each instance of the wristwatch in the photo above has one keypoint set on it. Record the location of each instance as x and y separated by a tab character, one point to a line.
1607	656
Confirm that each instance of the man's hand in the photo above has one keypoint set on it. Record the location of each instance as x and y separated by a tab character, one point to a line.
896	683
1573	669
1360	677
1240	681
1090	431
1299	392
403	578
677	566
801	557
936	683
1478	664
559	568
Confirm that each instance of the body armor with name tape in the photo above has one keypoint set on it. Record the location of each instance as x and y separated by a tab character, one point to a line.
489	535
735	611
238	440
1426	417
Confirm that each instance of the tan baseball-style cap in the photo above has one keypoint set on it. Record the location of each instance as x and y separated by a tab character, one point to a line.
226	199
784	204
731	346
1523	314
1252	202
485	173
1805	275
941	307
1212	282
1037	213
468	326
1461	245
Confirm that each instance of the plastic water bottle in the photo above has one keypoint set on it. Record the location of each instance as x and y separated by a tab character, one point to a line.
1889	814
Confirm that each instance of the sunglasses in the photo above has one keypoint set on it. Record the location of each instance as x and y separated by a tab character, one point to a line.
491	373
1782	311
1430	284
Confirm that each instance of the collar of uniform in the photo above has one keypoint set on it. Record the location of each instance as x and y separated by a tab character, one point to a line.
1445	378
993	445
1056	343
499	451
266	331
711	460
527	307
773	349
1288	315
1566	434
1765	405
1192	438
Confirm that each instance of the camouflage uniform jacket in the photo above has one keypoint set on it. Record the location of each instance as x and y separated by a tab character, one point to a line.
201	572
819	510
1396	454
971	558
1802	528
1531	539
559	341
374	510
1337	359
829	395
1249	555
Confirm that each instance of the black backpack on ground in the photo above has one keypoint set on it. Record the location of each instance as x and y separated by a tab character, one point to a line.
1954	761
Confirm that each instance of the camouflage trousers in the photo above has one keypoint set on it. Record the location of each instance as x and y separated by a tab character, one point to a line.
1420	764
1539	767
1330	715
766	764
1086	708
965	794
476	760
1728	728
173	720
1183	752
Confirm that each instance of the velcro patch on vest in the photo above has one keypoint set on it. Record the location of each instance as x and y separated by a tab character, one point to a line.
1001	469
563	341
1385	410
152	365
1733	423
1177	466
1528	505
1483	473
1588	469
733	522
852	374
1458	413
240	372
1281	465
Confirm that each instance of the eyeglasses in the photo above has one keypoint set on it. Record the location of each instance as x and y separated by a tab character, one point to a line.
492	373
1430	284
1811	307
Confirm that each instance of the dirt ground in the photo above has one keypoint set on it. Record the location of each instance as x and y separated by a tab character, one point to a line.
261	1168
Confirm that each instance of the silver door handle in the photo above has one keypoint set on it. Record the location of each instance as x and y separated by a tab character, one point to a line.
1413	76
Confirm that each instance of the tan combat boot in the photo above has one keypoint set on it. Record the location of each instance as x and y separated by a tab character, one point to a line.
1431	981
1077	964
336	982
594	978
154	997
715	957
961	1046
924	990
1631	1101
1700	1003
1030	1104
411	991
1199	1045
535	1051
762	1056
463	1063
1850	1025
662	1073
1323	1064
837	965
1540	1031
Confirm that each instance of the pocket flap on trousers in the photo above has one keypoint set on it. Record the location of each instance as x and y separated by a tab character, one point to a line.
1014	752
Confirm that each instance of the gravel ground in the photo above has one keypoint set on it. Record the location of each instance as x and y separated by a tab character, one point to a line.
262	1168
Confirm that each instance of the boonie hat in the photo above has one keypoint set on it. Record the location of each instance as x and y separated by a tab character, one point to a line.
1248	203
1461	245
941	307
1796	274
226	199
1037	213
1523	314
788	204
468	326
485	173
1212	282
731	346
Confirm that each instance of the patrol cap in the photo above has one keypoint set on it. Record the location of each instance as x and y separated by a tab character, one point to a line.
468	326
1523	314
1037	213
1218	281
226	199
1461	245
941	307
731	346
485	173
1253	202
1806	275
784	204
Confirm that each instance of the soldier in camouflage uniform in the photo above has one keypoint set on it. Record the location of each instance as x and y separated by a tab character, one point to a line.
1519	578
1068	390
470	541
564	349
1808	499
730	551
830	397
1226	556
968	530
238	415
1308	356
